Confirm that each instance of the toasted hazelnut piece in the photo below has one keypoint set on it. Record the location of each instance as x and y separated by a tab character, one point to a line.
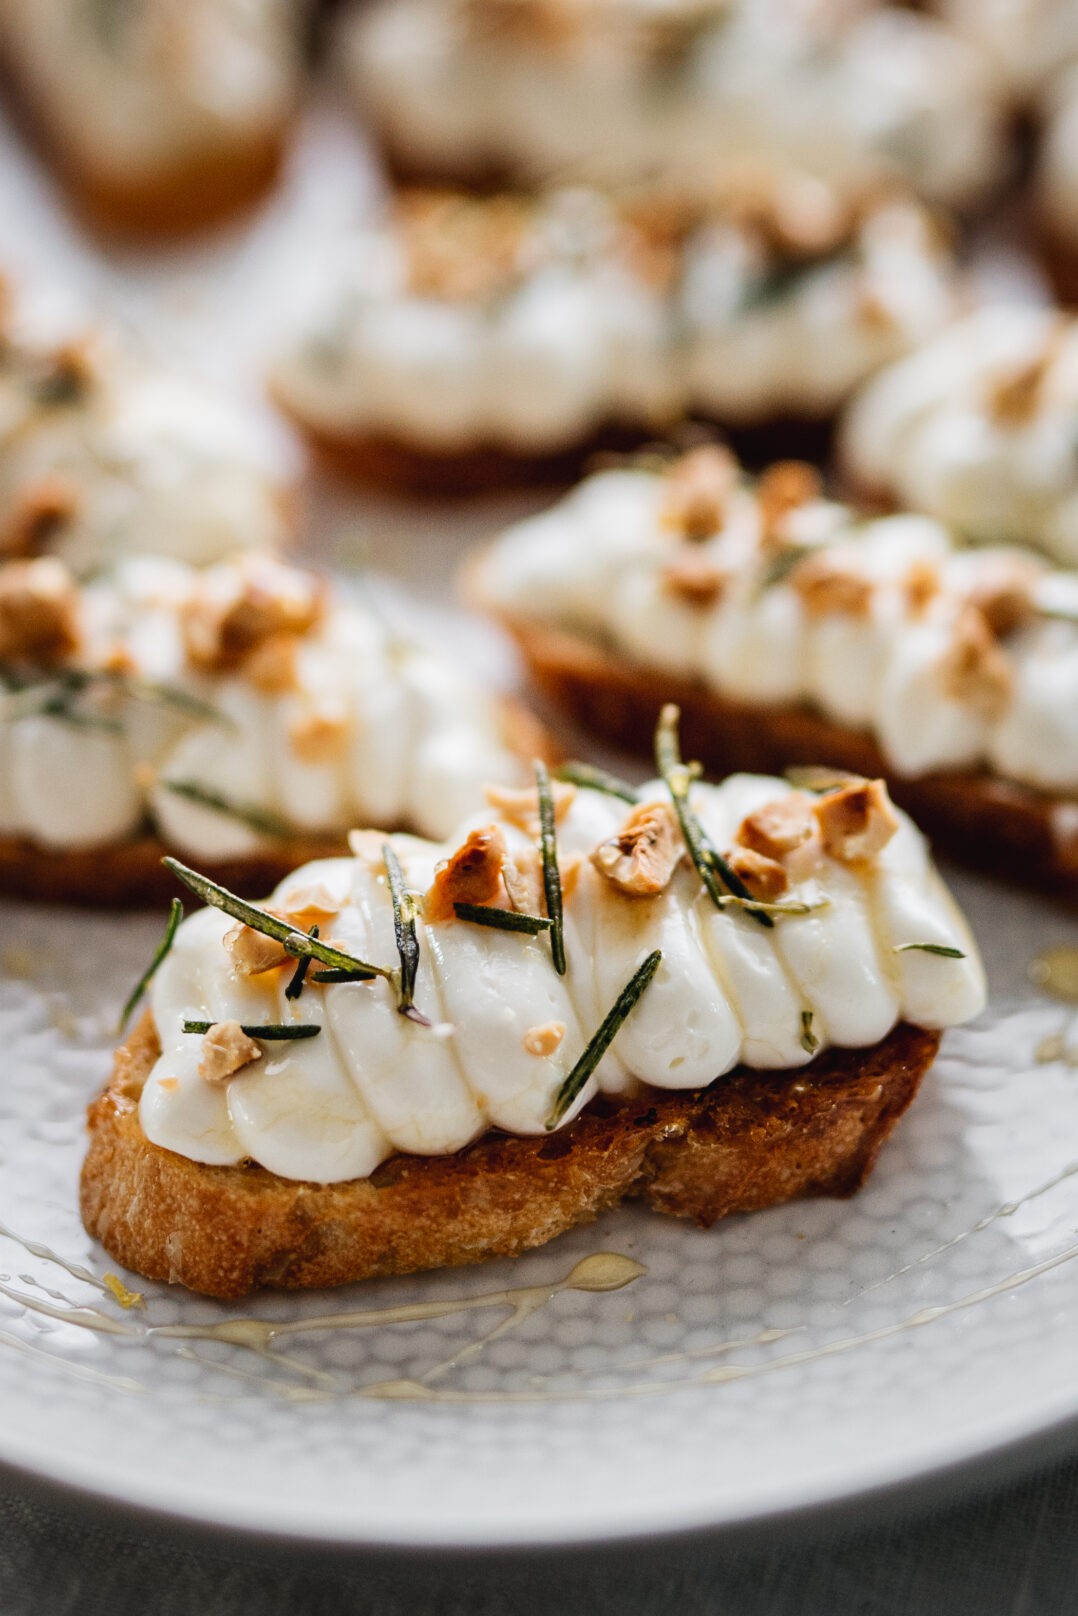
643	855
226	1049
314	902
569	873
796	216
698	489
521	806
872	309
272	667
231	614
825	588
695	577
921	585
856	822
1014	396
976	669
544	1040
779	827
765	878
473	874
522	874
42	509
459	247
1003	594
318	737
252	952
38	611
782	488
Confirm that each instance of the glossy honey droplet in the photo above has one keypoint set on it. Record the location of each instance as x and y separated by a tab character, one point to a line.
1056	972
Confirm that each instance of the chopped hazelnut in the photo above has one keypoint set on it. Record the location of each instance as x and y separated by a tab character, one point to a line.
779	827
873	310
460	247
695	577
226	1049
1003	594
272	667
976	669
643	855
783	488
314	902
544	1040
797	217
41	510
826	588
231	614
857	821
921	585
473	874
252	952
521	806
765	878
38	611
698	489
569	874
318	737
522	874
1014	396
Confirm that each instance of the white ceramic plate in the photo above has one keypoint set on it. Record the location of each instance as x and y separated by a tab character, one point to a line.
796	1357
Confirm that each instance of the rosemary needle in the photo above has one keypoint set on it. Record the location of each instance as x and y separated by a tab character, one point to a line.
548	846
601	1040
809	1041
269	1031
175	915
407	938
295	985
261	820
592	779
930	948
481	914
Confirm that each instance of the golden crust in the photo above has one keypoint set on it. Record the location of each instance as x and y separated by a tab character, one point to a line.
187	195
1007	829
753	1139
130	874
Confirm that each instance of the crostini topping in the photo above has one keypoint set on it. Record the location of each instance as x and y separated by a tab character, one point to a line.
252	952
458	247
42	508
226	1050
39	612
642	857
521	807
473	874
697	490
782	488
779	827
1003	593
695	577
975	669
764	877
829	587
857	821
233	612
544	1040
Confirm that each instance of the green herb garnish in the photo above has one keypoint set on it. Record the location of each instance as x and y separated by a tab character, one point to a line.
809	1041
295	985
342	976
54	696
271	1031
295	943
592	779
482	914
941	949
786	562
175	915
548	846
406	935
600	1041
759	906
261	820
780	280
710	864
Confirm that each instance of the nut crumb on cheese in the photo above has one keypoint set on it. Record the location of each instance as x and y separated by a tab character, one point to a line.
642	856
226	1050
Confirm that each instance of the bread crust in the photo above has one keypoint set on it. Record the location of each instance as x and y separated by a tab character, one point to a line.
1009	830
181	197
129	874
753	1139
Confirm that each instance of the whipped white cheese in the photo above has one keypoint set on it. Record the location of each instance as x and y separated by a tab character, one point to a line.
316	727
727	991
136	89
688	92
952	659
590	321
1027	41
105	454
979	428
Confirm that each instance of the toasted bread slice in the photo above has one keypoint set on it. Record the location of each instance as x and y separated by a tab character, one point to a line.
129	874
753	1139
996	825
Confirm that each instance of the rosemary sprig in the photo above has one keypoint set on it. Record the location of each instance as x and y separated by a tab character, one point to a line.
406	935
941	949
782	279
175	915
342	976
754	906
592	779
787	561
295	943
53	696
482	914
261	820
809	1041
270	1031
548	847
601	1040
295	984
710	864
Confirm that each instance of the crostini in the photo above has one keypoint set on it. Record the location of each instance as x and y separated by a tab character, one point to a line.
714	998
796	630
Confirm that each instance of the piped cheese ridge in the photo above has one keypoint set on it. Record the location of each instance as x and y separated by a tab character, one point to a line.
583	337
891	94
727	991
597	563
925	431
414	737
156	85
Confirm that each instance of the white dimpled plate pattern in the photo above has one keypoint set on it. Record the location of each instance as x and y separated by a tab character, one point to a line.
797	1355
